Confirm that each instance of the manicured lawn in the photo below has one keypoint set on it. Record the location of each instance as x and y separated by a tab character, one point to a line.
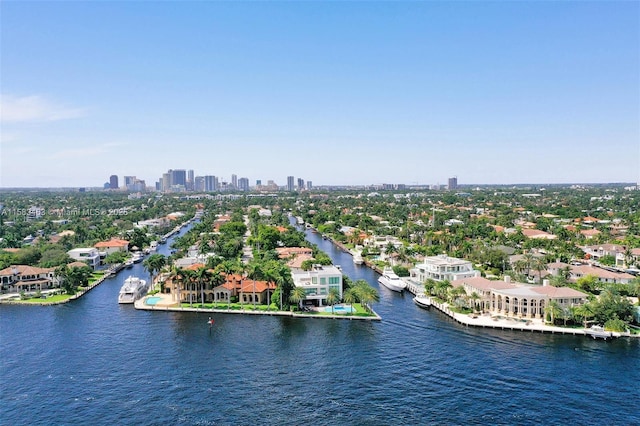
50	299
95	276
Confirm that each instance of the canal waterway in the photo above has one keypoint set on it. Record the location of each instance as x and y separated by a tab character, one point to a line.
93	361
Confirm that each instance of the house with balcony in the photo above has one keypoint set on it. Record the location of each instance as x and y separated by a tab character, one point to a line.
88	255
317	282
441	268
517	300
19	278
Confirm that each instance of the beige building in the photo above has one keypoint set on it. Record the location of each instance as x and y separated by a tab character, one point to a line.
518	300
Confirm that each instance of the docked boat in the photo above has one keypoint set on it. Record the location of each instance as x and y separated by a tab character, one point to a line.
128	263
132	289
357	258
137	257
390	280
598	332
422	301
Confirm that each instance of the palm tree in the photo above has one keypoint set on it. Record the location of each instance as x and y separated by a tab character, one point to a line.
217	279
366	294
177	278
202	275
430	285
188	280
553	310
153	264
297	296
474	297
350	296
539	264
333	297
254	271
442	287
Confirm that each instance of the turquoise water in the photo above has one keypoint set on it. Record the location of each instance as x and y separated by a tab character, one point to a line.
339	309
152	300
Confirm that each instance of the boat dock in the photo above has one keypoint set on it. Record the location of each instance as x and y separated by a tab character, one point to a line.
486	320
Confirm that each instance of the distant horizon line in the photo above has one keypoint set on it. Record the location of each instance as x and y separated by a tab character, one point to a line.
414	185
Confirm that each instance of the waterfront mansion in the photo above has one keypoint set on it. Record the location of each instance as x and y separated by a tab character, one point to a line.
441	268
318	281
506	298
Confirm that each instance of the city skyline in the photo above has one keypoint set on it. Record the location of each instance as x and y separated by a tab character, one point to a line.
338	93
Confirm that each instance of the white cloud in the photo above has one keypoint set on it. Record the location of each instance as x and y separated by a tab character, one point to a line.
35	108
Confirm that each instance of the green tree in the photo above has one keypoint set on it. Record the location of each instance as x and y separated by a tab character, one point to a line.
74	277
154	264
366	294
297	296
350	296
115	257
203	277
53	257
333	297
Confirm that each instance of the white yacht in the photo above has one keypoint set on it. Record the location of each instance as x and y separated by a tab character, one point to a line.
137	257
598	332
132	289
357	258
390	280
422	300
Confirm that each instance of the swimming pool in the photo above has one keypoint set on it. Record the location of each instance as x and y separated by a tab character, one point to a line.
152	300
340	309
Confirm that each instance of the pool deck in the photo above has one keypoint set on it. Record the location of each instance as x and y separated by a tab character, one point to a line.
166	304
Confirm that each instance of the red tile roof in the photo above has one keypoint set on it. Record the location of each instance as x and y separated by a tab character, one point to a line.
115	242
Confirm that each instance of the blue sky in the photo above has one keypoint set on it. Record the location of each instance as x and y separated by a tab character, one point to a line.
333	92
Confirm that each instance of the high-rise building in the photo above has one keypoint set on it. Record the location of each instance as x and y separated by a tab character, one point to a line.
210	183
190	182
129	181
258	182
178	178
166	182
243	184
290	183
309	185
234	181
198	184
453	183
300	184
113	182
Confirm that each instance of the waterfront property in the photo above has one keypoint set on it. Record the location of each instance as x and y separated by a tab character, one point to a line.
19	278
518	300
317	282
112	246
442	268
235	288
89	255
579	271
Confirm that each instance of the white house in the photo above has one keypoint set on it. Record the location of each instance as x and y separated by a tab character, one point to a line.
88	255
442	268
112	246
318	281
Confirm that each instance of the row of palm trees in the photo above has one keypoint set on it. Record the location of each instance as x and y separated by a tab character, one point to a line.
458	296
